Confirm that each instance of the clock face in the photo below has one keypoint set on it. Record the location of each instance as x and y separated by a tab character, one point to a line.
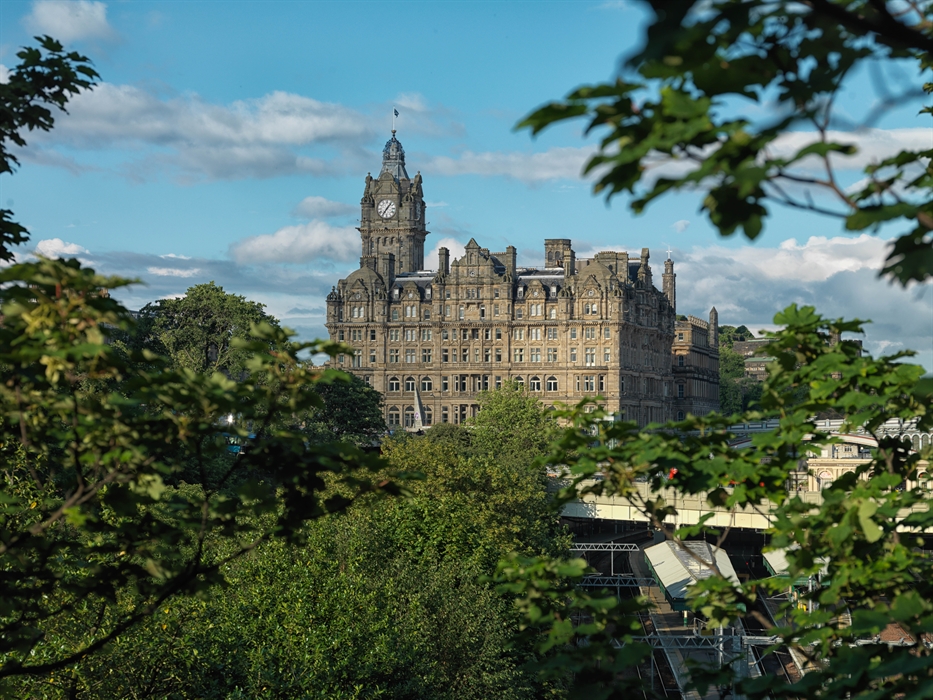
386	208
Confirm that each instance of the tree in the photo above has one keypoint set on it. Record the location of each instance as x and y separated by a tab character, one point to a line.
197	330
678	101
351	410
511	424
94	537
46	77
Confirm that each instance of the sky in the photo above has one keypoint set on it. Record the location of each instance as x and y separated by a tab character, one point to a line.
229	141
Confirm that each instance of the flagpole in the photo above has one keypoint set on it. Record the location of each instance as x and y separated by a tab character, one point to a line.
394	112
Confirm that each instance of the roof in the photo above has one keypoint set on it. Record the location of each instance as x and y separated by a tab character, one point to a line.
677	566
776	561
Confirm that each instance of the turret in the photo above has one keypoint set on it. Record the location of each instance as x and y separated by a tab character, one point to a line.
714	328
670	283
644	270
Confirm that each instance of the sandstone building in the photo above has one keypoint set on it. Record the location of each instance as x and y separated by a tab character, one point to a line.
431	340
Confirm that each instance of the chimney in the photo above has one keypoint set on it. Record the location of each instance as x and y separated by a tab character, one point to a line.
670	283
443	261
510	260
570	262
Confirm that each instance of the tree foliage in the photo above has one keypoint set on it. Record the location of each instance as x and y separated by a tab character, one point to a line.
679	103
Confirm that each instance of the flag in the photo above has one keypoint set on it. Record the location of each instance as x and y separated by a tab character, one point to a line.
396	112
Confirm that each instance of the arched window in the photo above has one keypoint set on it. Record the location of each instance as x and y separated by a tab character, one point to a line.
552	313
409	383
551	383
586	308
680	415
428	416
394	416
427	384
520	381
534	384
409	416
394	384
825	480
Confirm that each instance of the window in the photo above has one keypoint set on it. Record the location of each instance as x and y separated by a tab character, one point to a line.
495	294
573	354
340	336
447	294
372	357
552	313
589	383
534	334
607	332
498	334
444	334
444	355
409	383
498	382
395	314
482	311
519	355
474	334
680	336
680	415
518	312
534	384
393	356
680	391
466	354
495	307
445	414
410	356
425	354
394	384
410	334
447	308
680	360
427	314
622	384
602	382
590	358
552	333
519	334
426	334
487	355
535	310
428	416
475	354
552	354
607	354
394	417
536	354
551	384
589	333
427	384
445	383
409	416
498	354
586	309
462	313
573	333
465	334
487	334
520	381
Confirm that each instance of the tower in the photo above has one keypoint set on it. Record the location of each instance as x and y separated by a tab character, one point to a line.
669	280
392	212
714	327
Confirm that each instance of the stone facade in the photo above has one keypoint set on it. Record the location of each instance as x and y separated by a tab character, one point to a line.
431	340
695	353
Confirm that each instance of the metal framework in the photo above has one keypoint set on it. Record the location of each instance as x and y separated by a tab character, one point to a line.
604	547
665	641
616	581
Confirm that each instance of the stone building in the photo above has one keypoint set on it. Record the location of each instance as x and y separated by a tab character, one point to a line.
695	353
431	340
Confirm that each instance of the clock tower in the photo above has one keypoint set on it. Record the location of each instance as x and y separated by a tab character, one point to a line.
392	213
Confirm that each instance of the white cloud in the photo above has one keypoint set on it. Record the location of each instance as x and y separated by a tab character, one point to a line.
173	271
412	101
436	204
298	244
57	248
838	275
553	164
4	74
177	257
256	137
69	20
874	145
455	247
315	207
680	226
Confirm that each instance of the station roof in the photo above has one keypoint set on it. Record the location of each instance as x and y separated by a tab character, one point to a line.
677	566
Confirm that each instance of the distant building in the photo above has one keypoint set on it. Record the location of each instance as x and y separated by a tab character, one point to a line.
695	355
757	360
431	340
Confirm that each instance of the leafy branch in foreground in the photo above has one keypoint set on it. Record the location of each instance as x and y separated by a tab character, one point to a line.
867	529
674	120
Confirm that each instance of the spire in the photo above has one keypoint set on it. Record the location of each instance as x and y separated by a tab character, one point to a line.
393	159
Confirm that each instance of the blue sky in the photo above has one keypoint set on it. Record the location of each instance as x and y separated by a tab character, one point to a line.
229	142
